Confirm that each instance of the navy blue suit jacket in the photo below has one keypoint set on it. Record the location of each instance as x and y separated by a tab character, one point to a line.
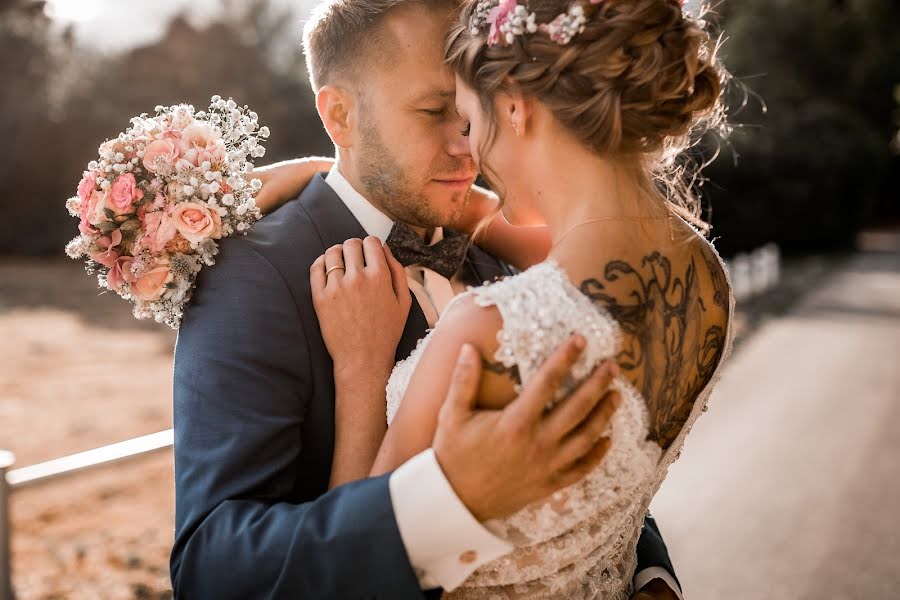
254	427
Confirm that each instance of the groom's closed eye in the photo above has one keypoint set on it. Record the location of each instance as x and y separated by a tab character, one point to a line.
435	112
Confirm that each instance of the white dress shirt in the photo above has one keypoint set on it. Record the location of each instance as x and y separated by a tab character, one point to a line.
443	541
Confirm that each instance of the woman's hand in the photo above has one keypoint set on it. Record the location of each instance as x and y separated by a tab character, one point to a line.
285	180
362	300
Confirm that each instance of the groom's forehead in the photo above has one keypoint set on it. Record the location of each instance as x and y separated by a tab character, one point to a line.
424	93
412	58
413	36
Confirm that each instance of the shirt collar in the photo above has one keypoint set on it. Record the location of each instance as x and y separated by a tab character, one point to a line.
369	216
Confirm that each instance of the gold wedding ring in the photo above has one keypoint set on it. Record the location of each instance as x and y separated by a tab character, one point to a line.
341	267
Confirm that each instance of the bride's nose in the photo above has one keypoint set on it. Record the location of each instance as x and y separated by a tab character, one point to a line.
457	143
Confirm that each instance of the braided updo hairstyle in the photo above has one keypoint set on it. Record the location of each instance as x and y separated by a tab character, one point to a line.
641	79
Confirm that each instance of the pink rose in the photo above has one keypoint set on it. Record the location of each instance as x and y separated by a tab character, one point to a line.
169	134
87	229
152	284
120	273
93	210
86	188
87	185
108	255
214	155
123	193
159	229
197	221
161	154
196	139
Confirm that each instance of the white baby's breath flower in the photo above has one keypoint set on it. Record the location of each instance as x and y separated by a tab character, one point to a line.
214	187
78	247
73	205
256	184
187	190
228	199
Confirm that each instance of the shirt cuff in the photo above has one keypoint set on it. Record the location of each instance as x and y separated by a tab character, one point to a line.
444	542
647	575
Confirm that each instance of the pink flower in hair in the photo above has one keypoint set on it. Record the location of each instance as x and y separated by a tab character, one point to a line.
498	16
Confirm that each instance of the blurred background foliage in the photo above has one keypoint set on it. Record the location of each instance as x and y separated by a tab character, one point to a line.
811	161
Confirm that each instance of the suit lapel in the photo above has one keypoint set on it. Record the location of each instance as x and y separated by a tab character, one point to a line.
332	219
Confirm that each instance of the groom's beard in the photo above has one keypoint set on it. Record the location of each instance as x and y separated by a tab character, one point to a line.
389	186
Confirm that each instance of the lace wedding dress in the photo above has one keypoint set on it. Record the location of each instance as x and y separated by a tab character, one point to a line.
580	543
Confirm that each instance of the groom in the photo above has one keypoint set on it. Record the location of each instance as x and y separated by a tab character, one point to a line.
254	392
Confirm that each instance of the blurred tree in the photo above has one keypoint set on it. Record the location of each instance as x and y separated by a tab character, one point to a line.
63	101
815	165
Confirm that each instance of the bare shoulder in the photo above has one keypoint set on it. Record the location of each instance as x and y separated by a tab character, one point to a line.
467	321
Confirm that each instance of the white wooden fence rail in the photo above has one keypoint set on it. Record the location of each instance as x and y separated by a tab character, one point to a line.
16	479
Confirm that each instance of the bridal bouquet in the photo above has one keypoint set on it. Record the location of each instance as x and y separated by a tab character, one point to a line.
153	205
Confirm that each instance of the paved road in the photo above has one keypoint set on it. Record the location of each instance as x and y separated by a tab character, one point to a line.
789	487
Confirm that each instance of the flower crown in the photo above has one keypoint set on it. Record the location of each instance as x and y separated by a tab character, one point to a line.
508	19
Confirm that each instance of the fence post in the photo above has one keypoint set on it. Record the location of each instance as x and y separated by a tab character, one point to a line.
6	593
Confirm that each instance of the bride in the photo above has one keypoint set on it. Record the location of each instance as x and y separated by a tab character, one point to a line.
577	115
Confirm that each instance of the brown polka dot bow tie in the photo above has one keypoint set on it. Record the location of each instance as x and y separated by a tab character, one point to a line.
444	257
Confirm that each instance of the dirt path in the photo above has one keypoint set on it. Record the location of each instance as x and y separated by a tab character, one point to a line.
76	372
787	487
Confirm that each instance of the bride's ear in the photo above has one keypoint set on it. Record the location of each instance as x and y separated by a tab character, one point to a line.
334	105
516	110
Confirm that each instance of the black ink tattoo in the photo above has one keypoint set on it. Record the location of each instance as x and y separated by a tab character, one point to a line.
667	353
501	369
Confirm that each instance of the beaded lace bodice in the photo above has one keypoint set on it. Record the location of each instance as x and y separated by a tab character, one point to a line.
581	542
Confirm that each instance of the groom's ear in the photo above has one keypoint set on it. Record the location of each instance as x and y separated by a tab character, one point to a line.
335	106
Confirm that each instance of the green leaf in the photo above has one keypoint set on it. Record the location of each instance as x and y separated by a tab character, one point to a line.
130	225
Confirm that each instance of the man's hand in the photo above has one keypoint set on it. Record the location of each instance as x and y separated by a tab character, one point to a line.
655	589
499	461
